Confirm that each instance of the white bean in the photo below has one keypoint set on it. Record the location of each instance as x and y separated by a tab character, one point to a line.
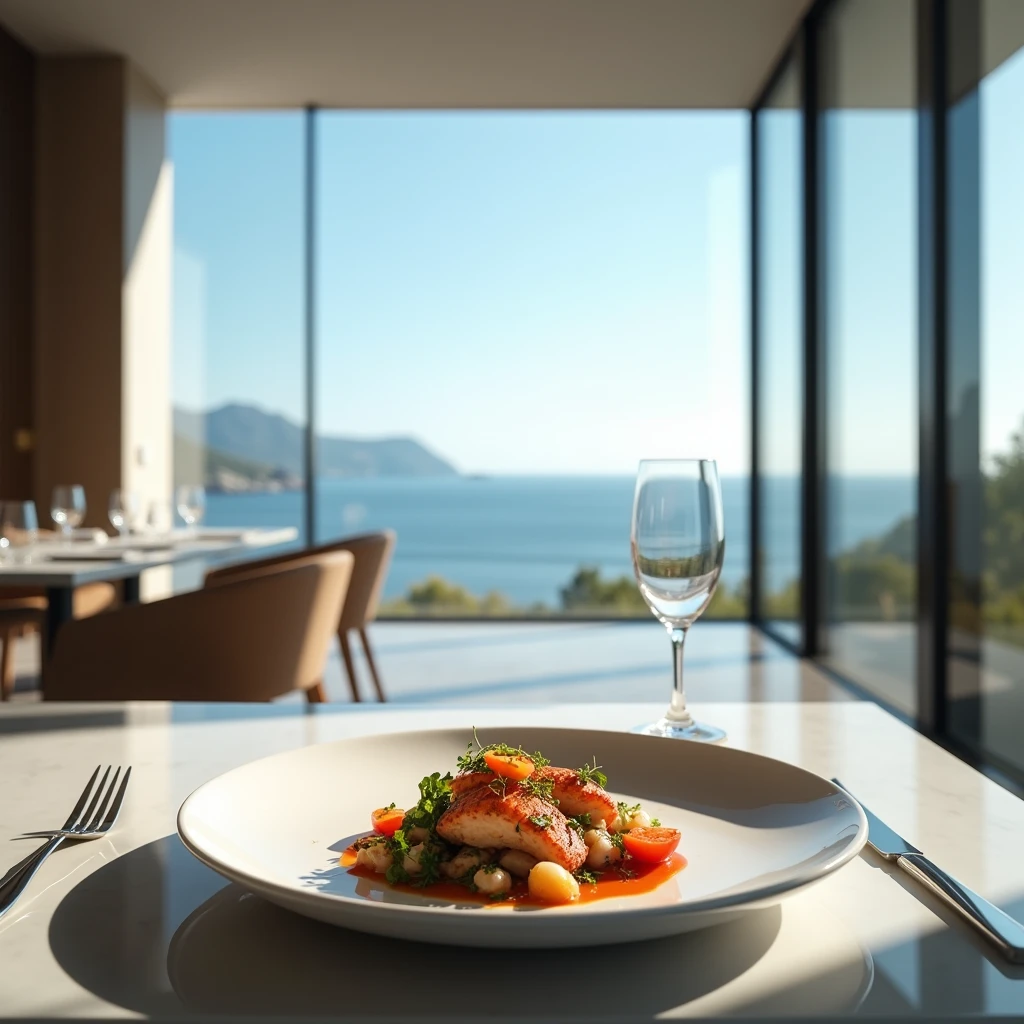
517	862
492	882
376	857
603	852
411	862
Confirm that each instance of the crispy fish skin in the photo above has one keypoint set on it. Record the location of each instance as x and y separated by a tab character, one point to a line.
483	818
574	796
463	783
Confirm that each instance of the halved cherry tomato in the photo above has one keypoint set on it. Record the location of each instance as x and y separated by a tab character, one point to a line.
509	766
650	844
387	820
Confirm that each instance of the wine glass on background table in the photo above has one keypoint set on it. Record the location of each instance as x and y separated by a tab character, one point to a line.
190	500
678	544
19	530
122	509
67	508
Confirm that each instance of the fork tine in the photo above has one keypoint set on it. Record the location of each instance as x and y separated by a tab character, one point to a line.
115	808
92	803
82	799
91	824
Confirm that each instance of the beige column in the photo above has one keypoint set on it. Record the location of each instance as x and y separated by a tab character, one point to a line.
102	284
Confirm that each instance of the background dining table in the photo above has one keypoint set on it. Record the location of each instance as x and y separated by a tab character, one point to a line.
60	568
134	925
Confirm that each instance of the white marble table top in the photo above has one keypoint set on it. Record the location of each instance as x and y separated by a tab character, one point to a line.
133	925
124	558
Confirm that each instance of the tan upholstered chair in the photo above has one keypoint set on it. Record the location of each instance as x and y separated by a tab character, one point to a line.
16	619
249	640
22	610
372	553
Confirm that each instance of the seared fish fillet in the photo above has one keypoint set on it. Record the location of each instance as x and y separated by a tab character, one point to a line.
574	796
483	818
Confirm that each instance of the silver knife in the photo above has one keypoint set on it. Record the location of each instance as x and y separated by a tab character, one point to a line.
1006	934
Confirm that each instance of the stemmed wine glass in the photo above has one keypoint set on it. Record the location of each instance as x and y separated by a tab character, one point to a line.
19	529
190	500
121	509
67	507
678	543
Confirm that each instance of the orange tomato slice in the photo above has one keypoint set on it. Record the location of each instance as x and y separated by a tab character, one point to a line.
651	845
509	766
387	820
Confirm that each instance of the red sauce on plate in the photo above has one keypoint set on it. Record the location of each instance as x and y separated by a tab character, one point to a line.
638	878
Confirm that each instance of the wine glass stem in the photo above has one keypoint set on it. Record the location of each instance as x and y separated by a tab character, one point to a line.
677	710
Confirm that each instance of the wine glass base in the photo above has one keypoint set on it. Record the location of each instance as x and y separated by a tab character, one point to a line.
678	731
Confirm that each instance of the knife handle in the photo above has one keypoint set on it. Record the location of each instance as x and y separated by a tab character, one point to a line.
998	927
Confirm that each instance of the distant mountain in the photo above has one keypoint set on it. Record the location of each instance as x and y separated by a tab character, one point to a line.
248	440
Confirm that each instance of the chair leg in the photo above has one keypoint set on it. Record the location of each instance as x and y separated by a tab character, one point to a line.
350	668
316	695
373	665
7	664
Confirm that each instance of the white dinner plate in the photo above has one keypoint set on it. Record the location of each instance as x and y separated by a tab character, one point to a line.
753	831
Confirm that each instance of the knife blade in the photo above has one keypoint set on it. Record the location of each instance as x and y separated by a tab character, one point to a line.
1006	934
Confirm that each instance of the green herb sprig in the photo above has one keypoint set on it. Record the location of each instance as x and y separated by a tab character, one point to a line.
592	773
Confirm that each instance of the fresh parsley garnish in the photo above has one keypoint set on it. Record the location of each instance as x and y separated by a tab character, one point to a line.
579	823
592	773
435	798
540	820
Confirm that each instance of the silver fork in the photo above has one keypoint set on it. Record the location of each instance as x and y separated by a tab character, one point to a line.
90	819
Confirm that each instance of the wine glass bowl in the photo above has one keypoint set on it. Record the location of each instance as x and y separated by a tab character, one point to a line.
67	507
19	530
678	546
190	500
121	510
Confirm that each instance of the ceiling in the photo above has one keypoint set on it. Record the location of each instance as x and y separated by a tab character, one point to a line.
427	53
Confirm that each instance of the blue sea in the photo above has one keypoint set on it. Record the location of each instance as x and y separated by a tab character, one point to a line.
526	536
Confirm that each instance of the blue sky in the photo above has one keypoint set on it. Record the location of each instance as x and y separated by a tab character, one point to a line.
522	292
565	292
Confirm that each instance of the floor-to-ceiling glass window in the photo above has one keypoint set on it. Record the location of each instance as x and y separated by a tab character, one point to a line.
986	399
780	354
238	356
513	308
868	126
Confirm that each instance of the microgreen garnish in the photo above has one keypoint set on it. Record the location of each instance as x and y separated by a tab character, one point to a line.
499	896
656	822
580	823
626	811
473	761
489	869
541	788
617	840
592	773
585	876
498	785
540	820
626	873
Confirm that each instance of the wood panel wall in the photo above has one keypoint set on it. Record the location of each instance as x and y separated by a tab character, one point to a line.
17	147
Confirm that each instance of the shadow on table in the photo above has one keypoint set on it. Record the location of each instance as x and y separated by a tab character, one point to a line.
158	933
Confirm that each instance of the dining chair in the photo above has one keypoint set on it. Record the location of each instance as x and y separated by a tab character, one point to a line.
249	640
22	610
372	553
